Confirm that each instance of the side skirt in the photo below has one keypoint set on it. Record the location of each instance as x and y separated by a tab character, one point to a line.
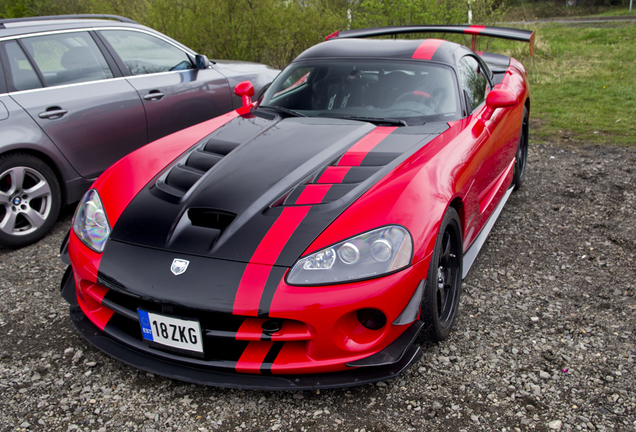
471	254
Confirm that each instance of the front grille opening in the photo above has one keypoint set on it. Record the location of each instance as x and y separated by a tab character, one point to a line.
226	350
219	330
210	218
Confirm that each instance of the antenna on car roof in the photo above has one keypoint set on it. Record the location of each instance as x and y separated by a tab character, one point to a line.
4	21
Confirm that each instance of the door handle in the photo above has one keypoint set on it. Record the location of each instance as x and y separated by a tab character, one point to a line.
154	95
53	113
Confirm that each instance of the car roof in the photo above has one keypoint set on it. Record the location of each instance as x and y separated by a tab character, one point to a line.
428	49
18	26
23	26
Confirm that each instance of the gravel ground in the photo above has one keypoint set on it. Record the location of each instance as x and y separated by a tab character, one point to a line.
544	340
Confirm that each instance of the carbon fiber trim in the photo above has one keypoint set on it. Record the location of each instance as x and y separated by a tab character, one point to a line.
221	378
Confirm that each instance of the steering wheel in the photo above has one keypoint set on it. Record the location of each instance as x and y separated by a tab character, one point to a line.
411	106
413	96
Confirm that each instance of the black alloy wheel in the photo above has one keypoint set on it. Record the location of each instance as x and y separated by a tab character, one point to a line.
444	280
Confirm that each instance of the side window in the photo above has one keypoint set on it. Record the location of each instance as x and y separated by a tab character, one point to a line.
295	80
23	75
67	58
145	54
474	83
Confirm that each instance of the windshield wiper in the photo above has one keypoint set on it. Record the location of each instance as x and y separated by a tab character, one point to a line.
280	109
378	120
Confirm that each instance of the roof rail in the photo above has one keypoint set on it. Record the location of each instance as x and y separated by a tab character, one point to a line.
4	21
498	32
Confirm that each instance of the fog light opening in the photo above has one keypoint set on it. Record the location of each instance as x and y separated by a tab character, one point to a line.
270	327
372	319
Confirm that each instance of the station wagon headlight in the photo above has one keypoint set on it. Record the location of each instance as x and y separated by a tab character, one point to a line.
365	256
90	223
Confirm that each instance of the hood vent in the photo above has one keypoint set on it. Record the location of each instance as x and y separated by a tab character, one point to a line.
198	230
210	218
330	184
192	166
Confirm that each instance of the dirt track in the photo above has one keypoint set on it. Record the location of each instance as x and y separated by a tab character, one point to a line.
545	338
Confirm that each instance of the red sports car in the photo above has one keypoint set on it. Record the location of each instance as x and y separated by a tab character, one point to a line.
307	239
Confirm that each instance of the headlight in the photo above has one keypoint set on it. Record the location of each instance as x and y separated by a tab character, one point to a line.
90	223
365	256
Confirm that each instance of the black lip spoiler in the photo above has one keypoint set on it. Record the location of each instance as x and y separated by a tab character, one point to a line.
497	32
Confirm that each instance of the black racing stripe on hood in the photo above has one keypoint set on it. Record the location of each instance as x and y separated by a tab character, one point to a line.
273	158
406	140
145	273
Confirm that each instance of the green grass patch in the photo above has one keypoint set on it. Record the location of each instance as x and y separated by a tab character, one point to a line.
582	81
519	10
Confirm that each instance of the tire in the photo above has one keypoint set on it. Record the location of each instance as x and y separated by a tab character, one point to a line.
521	158
30	199
444	280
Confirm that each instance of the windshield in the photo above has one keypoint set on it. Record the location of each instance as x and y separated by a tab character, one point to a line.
415	92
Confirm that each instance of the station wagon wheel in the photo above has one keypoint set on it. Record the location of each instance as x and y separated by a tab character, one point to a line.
30	199
444	279
521	157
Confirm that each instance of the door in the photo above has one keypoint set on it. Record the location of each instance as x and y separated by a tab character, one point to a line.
66	85
175	94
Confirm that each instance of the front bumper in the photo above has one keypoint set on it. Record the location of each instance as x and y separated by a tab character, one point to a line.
385	364
212	377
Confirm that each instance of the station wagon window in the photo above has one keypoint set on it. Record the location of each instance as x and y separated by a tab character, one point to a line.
145	54
474	82
23	75
67	58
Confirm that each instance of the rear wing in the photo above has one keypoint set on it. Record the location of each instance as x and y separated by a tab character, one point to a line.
497	32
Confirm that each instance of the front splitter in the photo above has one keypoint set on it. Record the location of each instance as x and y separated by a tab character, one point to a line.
212	377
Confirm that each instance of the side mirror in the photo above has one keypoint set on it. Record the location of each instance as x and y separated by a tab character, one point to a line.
245	89
201	61
499	98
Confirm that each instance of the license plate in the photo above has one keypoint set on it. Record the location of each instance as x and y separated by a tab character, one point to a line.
171	332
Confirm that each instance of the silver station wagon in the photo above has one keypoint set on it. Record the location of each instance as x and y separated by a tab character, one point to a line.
79	92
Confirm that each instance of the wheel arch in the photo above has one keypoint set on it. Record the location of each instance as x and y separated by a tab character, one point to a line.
458	205
527	106
47	160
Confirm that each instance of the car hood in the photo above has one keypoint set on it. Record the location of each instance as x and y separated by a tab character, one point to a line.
240	184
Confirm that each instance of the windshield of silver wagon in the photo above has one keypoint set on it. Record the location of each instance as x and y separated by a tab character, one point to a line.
413	91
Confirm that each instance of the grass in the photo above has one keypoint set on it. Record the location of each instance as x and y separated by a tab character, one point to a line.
528	11
582	81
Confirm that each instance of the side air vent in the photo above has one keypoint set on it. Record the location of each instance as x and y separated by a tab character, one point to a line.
210	218
192	166
219	146
182	177
203	161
